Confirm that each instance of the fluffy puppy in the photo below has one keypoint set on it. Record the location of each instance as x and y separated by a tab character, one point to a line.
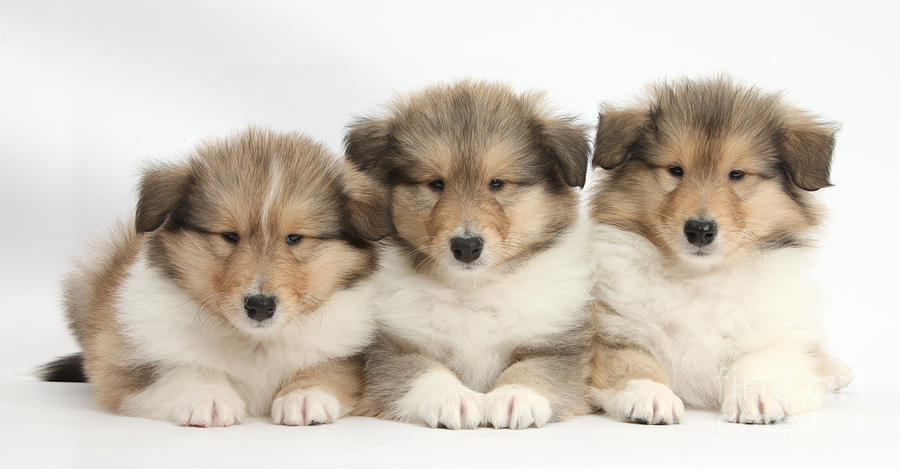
241	288
703	236
481	293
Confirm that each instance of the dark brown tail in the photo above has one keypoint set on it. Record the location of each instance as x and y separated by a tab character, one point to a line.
68	369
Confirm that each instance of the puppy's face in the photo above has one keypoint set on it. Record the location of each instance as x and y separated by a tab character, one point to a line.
480	177
261	228
707	171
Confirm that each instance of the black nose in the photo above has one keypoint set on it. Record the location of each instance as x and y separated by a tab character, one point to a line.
260	307
700	232
466	249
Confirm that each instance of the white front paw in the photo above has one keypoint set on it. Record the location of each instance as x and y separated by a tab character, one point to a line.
646	401
755	403
209	406
453	409
305	407
516	407
437	398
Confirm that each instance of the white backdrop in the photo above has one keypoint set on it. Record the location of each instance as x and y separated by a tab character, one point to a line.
89	90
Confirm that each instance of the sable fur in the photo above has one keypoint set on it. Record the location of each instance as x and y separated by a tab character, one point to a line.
733	324
501	341
159	309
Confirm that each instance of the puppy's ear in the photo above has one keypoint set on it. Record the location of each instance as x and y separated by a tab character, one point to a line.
565	139
806	149
368	206
617	131
161	189
366	143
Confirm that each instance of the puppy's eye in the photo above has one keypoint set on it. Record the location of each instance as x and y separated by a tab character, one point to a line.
231	237
437	184
293	238
496	183
735	175
676	171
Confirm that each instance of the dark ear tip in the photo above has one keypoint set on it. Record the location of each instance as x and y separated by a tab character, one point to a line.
577	182
140	229
607	164
366	140
388	230
824	185
141	224
385	235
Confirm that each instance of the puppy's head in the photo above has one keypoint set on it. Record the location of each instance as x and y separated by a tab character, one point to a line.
707	170
261	227
480	177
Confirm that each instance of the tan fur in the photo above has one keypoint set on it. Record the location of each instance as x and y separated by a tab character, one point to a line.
707	128
86	295
620	365
615	363
558	374
687	126
342	378
466	136
262	186
298	275
438	150
390	365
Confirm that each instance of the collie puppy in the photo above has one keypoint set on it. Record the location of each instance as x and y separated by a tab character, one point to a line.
242	287
482	291
703	228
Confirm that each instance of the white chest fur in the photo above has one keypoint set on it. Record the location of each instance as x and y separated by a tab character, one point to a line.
164	326
696	326
473	330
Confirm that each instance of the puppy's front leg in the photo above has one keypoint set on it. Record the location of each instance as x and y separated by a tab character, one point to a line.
629	384
534	392
772	384
405	385
320	394
544	384
191	396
